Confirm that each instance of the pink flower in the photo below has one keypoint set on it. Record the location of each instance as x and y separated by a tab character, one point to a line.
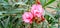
37	10
27	17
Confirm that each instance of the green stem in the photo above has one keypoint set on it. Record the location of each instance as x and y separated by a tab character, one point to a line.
32	25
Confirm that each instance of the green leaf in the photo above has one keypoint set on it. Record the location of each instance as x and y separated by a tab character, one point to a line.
58	4
1	17
10	25
48	2
6	22
6	0
2	23
43	2
2	2
57	9
49	14
53	26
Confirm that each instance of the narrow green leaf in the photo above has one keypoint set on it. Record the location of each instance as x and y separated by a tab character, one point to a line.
49	2
49	14
10	25
6	22
57	9
2	23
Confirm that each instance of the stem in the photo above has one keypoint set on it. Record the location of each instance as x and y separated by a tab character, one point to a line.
42	25
47	26
37	1
32	25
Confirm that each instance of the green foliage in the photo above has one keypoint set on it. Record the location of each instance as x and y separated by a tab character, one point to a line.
11	14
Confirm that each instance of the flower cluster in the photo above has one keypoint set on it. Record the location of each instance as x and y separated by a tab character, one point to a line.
36	11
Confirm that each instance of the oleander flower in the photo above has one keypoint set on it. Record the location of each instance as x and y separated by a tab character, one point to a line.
37	10
27	17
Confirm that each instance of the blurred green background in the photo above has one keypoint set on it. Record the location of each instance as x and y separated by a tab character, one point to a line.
11	13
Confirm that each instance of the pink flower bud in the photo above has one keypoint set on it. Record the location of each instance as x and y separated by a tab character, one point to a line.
27	17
